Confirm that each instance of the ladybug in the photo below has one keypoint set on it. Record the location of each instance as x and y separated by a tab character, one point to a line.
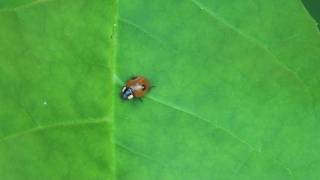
136	87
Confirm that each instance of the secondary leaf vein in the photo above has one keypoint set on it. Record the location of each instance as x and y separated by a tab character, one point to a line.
259	44
190	113
52	126
134	152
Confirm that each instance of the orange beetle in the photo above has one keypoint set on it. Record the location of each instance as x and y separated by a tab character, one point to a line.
135	87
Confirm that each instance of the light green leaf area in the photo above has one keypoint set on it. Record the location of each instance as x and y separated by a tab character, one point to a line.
56	88
236	91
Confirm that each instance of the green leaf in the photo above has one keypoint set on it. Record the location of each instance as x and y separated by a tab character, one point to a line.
313	7
56	88
235	97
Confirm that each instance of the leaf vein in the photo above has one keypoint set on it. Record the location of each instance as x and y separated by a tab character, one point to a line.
27	5
134	152
52	126
261	45
190	113
141	29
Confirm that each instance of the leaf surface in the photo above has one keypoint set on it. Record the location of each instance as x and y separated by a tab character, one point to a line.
56	88
235	96
236	93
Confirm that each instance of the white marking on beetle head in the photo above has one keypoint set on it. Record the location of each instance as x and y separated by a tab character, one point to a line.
123	89
130	96
45	103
